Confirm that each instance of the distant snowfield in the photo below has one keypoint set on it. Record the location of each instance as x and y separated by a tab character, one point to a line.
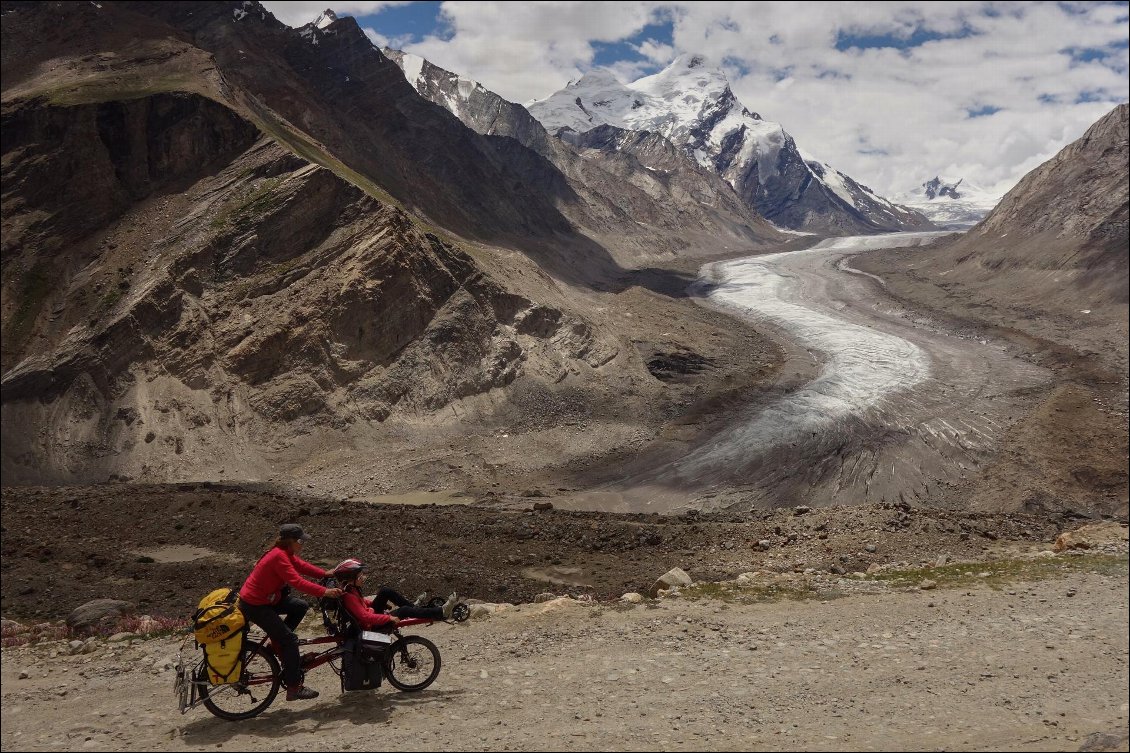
952	213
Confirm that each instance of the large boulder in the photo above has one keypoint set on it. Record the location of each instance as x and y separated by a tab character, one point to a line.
675	577
98	612
1071	540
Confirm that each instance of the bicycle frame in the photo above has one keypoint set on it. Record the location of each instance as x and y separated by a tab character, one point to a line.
325	657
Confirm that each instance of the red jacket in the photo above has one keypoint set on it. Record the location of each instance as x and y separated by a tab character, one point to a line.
362	612
276	569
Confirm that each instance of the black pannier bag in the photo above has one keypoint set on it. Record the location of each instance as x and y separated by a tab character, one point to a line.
361	666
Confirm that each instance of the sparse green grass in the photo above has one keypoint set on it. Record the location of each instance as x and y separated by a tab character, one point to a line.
33	289
730	592
1005	572
1001	574
112	296
255	203
121	88
298	143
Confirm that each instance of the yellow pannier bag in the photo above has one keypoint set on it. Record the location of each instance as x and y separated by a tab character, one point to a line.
224	659
217	617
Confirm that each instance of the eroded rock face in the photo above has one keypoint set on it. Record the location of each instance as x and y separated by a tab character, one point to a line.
267	297
69	171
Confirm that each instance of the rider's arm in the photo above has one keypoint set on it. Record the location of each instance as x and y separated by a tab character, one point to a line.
362	613
296	581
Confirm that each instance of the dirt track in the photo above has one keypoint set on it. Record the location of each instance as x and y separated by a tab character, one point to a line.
1039	665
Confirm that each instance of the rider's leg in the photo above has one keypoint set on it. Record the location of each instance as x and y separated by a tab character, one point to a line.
268	618
423	613
427	613
294	609
387	596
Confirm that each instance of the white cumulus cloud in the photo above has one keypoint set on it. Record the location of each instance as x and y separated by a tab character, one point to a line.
983	91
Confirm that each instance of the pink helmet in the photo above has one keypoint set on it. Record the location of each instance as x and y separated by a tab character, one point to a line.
347	569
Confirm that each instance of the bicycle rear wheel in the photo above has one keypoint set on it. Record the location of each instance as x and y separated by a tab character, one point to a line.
257	687
412	663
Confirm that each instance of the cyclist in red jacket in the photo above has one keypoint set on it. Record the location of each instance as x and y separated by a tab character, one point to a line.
263	600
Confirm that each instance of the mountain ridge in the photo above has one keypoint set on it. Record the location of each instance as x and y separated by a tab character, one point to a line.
1049	260
662	205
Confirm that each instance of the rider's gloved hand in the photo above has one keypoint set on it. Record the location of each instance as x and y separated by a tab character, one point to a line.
333	593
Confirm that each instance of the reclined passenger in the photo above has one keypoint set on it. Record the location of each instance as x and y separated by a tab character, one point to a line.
371	614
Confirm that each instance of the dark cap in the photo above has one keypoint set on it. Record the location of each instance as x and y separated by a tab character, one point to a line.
292	531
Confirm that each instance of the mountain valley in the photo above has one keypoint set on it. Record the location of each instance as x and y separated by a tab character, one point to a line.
255	273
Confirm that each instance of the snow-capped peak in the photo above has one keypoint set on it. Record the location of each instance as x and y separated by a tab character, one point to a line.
326	18
687	73
690	102
946	189
412	65
443	87
951	203
663	102
597	78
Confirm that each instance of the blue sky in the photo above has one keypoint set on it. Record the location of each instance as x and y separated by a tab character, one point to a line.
891	93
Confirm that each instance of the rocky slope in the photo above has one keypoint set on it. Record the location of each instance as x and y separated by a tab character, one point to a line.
668	199
690	103
269	293
1051	258
209	269
1079	198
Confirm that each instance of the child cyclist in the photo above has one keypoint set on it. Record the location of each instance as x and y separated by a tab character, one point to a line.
370	614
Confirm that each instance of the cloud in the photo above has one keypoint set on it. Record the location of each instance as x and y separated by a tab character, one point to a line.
381	41
882	91
892	117
301	13
655	51
529	50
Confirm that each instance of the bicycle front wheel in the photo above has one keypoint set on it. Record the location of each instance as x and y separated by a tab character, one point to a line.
257	687
411	663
